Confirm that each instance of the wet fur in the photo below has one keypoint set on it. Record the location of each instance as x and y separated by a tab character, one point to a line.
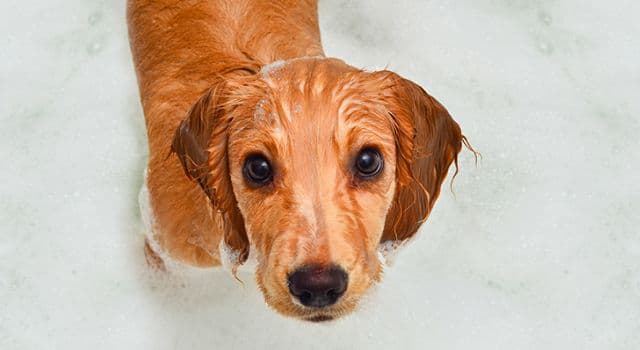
213	92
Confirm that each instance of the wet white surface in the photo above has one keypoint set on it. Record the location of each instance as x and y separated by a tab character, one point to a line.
537	248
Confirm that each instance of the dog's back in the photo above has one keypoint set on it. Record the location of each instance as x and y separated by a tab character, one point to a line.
189	41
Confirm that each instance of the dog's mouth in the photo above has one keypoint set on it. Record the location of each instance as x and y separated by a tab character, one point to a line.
318	315
320	318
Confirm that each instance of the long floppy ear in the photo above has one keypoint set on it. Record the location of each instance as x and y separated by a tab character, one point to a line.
201	145
428	140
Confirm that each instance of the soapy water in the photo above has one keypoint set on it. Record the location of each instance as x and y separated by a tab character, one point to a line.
538	248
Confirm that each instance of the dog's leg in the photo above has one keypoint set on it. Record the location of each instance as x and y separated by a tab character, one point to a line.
153	260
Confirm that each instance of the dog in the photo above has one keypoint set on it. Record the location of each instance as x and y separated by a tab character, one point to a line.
261	145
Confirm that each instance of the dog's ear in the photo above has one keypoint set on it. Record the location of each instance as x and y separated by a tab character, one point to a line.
428	140
200	142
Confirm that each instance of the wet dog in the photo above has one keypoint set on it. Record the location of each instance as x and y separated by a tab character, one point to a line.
260	145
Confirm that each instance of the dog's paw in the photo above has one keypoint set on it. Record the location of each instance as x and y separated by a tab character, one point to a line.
153	259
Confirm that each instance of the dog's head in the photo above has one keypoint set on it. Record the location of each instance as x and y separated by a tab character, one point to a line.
314	164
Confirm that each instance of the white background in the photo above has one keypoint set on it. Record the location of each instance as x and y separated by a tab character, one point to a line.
538	247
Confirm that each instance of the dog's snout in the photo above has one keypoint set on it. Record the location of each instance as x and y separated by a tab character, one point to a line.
317	286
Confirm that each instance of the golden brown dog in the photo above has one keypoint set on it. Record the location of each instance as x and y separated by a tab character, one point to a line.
303	161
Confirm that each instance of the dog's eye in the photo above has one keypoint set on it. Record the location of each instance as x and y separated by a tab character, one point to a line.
257	170
368	163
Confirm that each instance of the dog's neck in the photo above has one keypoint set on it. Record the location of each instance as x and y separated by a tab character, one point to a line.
274	66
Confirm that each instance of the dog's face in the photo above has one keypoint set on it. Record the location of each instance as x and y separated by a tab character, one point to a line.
313	170
313	164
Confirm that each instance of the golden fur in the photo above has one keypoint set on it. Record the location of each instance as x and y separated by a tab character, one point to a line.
213	93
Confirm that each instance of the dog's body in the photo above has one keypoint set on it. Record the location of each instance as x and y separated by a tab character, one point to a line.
179	49
213	62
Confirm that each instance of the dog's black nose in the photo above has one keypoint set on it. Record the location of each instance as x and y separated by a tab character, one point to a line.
317	286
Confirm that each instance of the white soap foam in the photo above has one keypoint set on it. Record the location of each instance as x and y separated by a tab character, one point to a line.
536	246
